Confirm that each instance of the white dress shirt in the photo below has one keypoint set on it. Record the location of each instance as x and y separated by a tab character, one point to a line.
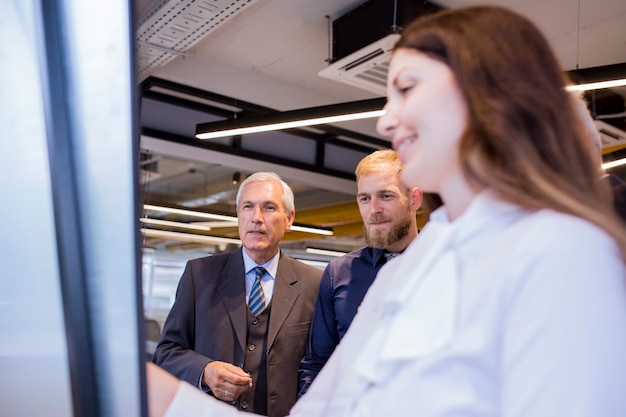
502	312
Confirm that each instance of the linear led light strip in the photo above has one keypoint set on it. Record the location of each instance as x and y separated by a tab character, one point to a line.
302	119
613	164
324	232
278	120
324	252
188	236
290	124
174	224
233	219
597	86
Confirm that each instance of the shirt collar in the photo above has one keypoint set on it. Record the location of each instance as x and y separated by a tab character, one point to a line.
484	211
381	256
484	215
378	256
270	266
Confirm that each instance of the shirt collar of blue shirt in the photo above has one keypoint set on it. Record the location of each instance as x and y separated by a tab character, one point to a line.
378	256
270	266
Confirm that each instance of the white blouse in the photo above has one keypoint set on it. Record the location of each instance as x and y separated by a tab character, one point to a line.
502	312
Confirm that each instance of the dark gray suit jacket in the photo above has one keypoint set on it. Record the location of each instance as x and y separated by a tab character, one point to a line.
208	322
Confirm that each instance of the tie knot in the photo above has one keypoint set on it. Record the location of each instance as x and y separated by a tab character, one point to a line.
259	271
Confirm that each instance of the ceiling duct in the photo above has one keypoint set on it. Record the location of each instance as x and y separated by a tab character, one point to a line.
363	39
172	27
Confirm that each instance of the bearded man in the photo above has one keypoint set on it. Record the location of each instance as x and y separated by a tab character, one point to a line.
388	209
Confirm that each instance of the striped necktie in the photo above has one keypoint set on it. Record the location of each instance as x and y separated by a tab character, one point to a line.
256	302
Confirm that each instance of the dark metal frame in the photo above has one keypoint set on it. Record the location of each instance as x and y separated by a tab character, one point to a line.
61	142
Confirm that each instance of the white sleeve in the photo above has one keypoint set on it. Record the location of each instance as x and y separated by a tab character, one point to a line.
564	332
189	401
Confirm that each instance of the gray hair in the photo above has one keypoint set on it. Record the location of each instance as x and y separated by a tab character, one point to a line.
288	199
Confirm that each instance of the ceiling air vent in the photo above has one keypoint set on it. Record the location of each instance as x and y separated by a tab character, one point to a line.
362	40
366	68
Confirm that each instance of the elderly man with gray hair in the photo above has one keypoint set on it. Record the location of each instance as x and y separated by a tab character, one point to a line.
240	323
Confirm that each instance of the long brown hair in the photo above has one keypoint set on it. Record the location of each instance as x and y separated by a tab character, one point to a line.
524	138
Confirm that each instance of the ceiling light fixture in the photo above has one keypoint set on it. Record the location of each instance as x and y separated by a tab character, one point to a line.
597	85
595	78
613	164
189	237
308	229
324	252
333	113
233	219
175	224
189	213
311	116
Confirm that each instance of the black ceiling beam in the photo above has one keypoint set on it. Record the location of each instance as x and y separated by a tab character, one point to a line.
358	136
595	74
250	109
188	104
214	146
151	82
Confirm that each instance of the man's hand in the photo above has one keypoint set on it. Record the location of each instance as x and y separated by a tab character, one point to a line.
227	381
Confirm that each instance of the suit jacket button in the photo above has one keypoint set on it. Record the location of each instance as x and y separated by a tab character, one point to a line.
255	321
251	347
244	405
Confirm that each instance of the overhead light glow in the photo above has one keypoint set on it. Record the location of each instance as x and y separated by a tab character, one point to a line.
290	125
190	213
189	237
307	229
597	85
613	164
280	120
233	219
174	224
324	252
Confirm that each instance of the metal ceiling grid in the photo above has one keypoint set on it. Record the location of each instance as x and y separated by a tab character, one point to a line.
174	26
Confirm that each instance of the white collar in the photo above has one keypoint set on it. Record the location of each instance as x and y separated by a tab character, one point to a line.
270	266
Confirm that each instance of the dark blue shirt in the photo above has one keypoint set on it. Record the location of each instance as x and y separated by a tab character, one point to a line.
344	284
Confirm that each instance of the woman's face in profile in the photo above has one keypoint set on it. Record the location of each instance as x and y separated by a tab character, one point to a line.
425	117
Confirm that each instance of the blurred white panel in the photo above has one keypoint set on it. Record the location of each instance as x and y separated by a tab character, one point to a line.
99	39
34	380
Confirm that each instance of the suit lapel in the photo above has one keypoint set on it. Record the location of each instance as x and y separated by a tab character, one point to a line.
285	296
232	289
